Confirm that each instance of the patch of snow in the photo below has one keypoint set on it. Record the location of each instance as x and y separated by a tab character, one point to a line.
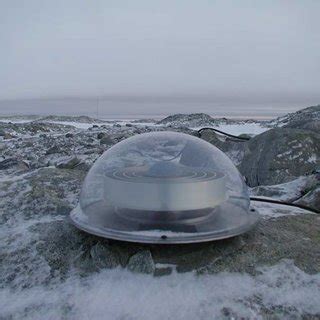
165	265
15	120
83	125
120	294
312	158
239	128
270	210
284	191
78	125
284	154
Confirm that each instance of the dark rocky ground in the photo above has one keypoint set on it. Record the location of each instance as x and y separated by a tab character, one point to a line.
42	166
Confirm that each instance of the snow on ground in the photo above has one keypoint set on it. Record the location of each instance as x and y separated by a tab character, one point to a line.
285	191
270	210
79	125
119	294
15	120
122	295
85	125
239	128
75	124
248	128
235	129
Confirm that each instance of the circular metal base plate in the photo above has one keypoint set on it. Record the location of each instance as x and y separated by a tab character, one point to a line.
208	224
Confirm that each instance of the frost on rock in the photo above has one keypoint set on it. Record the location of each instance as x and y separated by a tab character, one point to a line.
141	262
103	256
280	155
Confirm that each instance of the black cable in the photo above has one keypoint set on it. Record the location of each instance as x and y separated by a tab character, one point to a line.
301	206
224	133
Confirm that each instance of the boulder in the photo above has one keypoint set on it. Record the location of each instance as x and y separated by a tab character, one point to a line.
13	163
107	140
305	125
69	135
52	150
7	136
190	120
280	155
233	148
305	115
103	256
291	191
100	135
311	198
68	163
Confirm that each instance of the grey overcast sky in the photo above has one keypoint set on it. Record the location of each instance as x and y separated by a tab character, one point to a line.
101	47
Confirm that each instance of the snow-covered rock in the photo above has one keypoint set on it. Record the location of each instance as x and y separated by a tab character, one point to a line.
142	262
233	148
188	120
289	191
280	155
297	119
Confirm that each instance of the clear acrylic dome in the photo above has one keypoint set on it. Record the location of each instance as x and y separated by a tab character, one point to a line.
164	187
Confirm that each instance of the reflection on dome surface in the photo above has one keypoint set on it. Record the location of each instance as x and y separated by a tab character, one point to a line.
164	187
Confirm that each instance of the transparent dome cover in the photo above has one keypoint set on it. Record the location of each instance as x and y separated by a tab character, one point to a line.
164	187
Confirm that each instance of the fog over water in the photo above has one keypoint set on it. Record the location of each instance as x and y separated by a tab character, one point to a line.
226	58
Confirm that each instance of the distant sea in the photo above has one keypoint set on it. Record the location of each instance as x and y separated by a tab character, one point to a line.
148	107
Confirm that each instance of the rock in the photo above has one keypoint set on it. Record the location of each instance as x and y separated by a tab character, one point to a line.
163	271
267	244
69	163
305	125
35	127
80	119
299	118
121	136
141	262
311	198
290	191
107	140
60	244
129	125
100	135
45	191
245	136
7	136
13	162
280	155
52	150
233	148
191	120
103	256
69	135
